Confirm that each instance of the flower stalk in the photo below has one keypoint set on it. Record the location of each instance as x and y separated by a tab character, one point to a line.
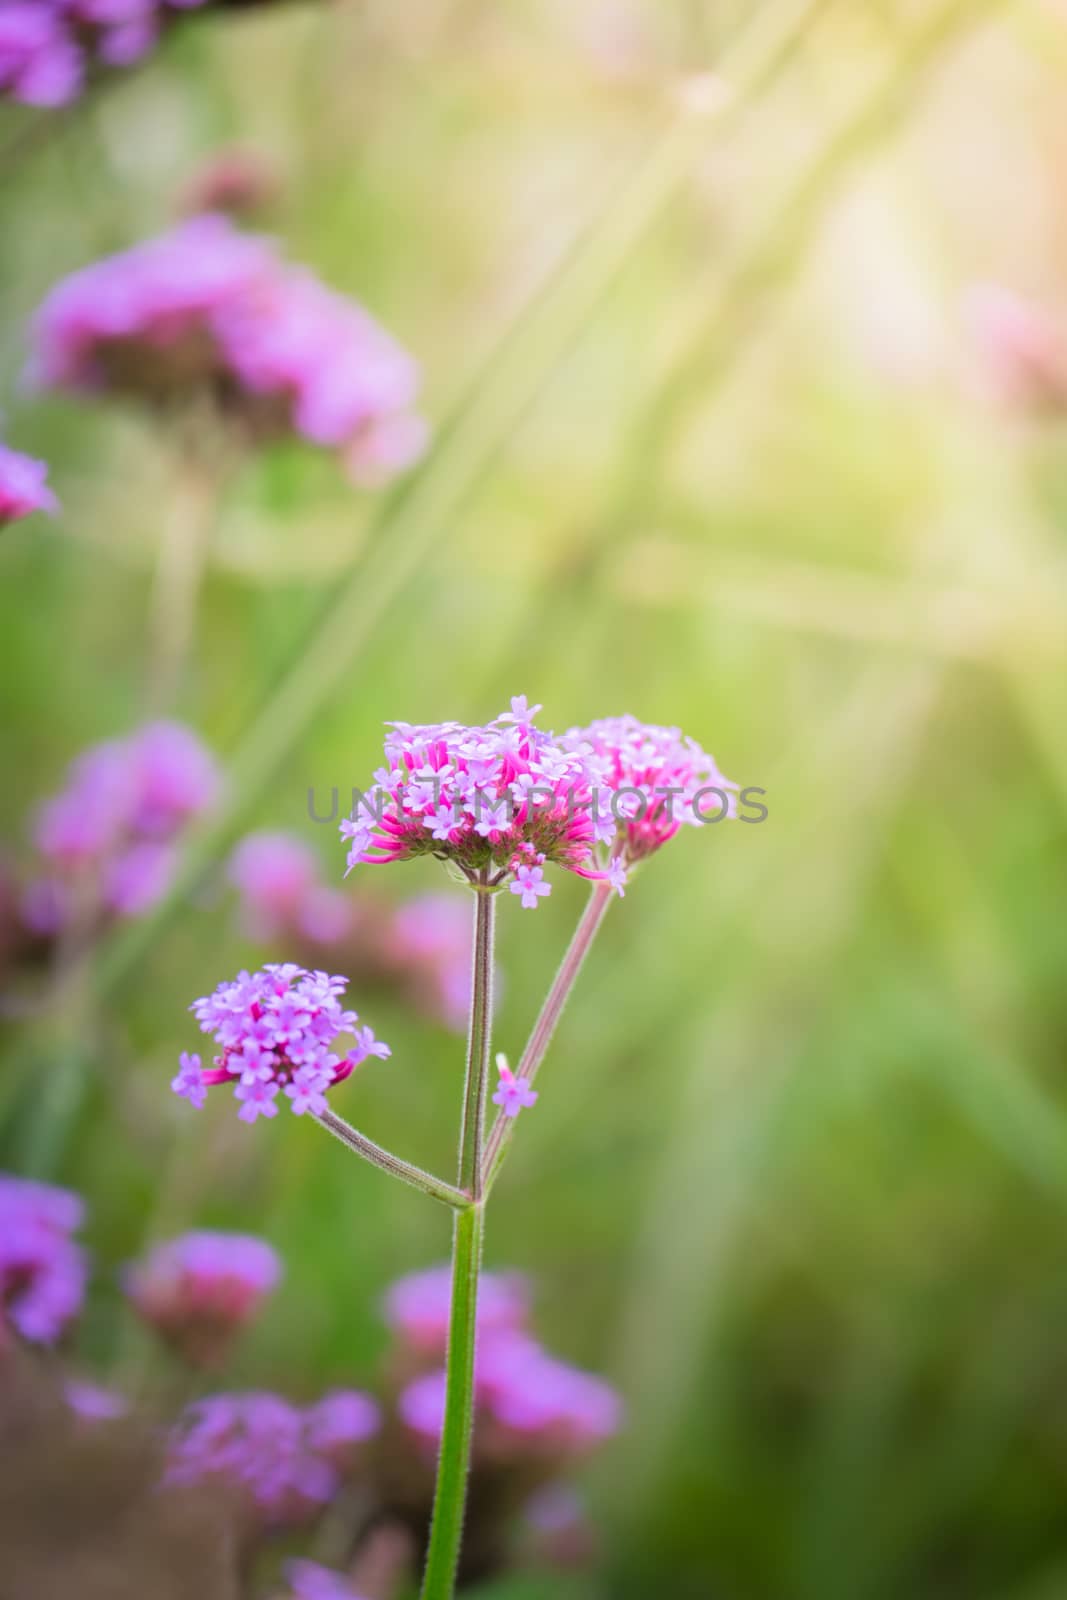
413	1176
453	1467
541	1037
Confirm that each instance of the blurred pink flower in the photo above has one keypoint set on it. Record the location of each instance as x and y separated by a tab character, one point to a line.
22	484
107	839
274	873
527	1401
201	1289
42	1270
257	1442
1022	347
207	310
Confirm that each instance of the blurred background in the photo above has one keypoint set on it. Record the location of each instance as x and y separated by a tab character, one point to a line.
724	433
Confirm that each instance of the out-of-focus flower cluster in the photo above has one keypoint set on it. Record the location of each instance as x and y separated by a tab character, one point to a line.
289	1461
42	1269
207	313
536	1416
23	487
504	799
419	949
200	1290
530	1405
50	49
272	1465
106	843
275	1030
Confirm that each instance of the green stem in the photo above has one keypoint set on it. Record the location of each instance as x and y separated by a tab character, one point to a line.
414	1176
545	1026
472	1132
450	1494
453	1465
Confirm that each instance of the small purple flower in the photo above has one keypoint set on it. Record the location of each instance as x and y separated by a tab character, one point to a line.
512	1093
618	875
307	1090
22	480
258	1099
189	1083
529	882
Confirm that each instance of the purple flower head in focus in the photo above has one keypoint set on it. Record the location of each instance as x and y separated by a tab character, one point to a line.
504	799
275	1031
206	310
23	488
42	1270
201	1289
658	781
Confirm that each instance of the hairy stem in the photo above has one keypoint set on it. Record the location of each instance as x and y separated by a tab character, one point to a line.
453	1465
436	1188
545	1026
472	1133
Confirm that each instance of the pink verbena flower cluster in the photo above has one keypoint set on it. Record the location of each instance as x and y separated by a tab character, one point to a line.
503	799
420	948
23	488
108	839
276	1030
528	1402
269	1448
200	1290
42	1270
659	781
205	310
